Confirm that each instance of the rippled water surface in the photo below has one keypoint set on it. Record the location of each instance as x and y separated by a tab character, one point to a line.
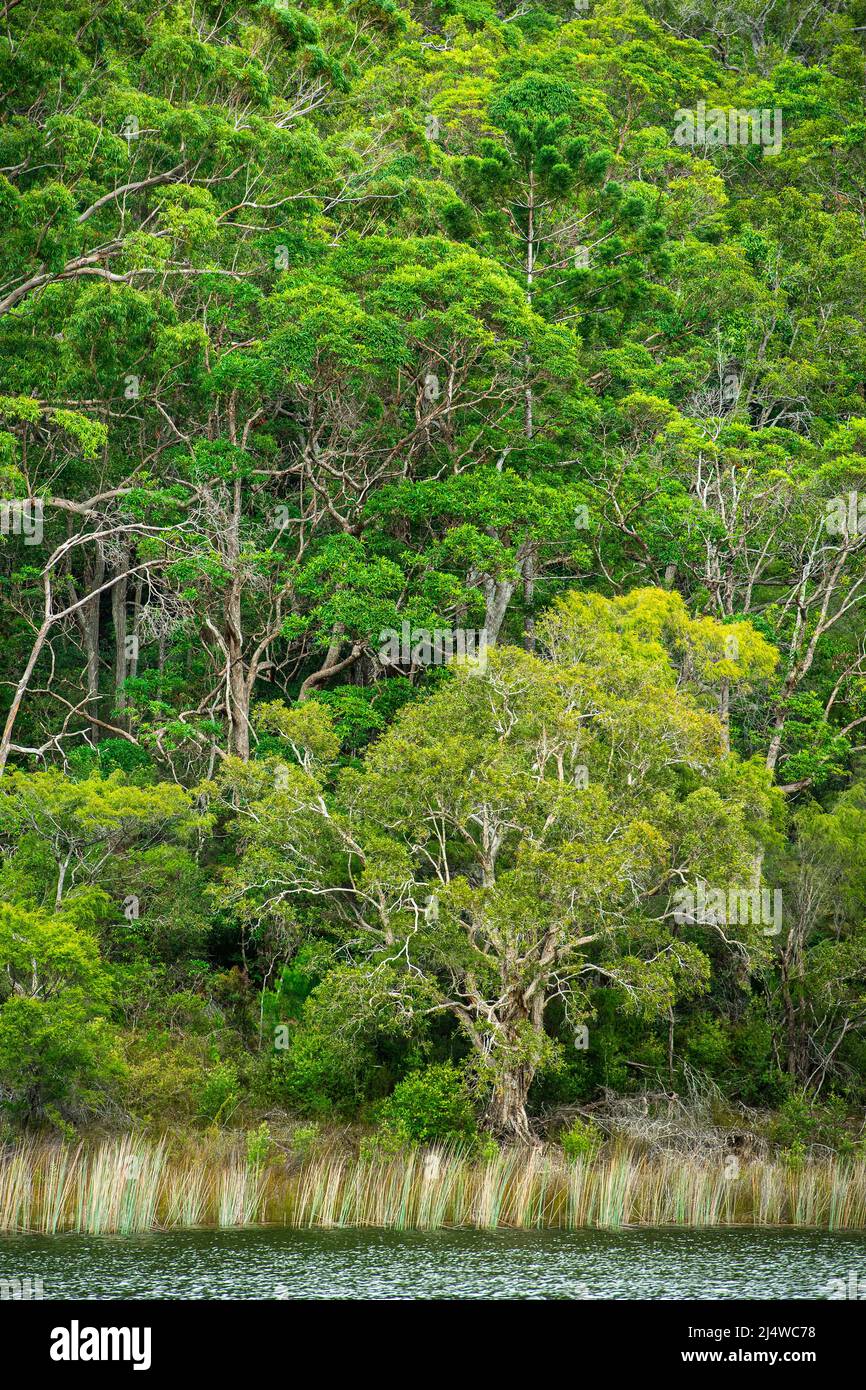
279	1263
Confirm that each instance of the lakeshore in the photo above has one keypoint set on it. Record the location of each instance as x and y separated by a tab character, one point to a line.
129	1186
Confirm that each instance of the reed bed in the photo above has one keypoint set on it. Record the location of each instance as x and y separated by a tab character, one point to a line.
129	1185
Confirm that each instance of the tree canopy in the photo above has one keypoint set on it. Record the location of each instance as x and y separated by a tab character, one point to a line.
433	541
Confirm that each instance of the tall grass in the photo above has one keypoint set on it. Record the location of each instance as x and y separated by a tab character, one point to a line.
128	1185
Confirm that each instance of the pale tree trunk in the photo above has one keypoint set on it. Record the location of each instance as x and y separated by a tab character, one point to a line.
239	705
237	692
497	596
61	881
136	626
93	640
506	1112
87	618
775	745
121	657
792	964
237	687
529	602
795	1032
528	429
21	691
50	619
800	658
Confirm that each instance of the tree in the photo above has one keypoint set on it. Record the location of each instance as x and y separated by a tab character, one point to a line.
82	826
519	836
822	959
56	1048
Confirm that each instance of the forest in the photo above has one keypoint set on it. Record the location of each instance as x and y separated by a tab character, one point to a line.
432	570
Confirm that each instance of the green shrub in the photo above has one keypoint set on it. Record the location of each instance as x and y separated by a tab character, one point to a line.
163	1076
259	1144
219	1094
319	1075
304	1140
794	1157
57	1048
582	1139
802	1121
384	1144
430	1105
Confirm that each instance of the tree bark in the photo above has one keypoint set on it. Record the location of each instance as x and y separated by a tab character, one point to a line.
331	667
506	1112
497	595
529	602
121	657
87	618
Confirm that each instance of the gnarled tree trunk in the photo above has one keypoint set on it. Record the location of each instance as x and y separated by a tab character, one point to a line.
506	1112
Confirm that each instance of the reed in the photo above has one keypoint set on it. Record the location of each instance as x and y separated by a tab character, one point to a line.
130	1185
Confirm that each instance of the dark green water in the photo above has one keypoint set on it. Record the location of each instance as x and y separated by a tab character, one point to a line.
278	1263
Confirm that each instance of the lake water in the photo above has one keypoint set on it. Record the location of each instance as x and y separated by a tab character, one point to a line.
274	1262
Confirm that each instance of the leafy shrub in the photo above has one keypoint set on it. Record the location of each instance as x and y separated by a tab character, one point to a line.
304	1140
384	1144
317	1076
163	1078
582	1139
57	1049
487	1149
259	1144
430	1105
794	1157
802	1121
343	1050
218	1095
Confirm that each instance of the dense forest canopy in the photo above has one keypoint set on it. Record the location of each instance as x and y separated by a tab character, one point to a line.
433	559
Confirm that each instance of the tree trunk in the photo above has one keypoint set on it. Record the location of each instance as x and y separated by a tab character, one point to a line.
506	1114
87	618
529	602
528	430
121	656
332	665
237	694
794	1040
791	967
239	705
136	626
497	596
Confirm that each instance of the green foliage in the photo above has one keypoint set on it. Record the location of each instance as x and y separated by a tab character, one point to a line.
319	326
304	1140
218	1093
259	1146
581	1141
57	1051
429	1106
803	1120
